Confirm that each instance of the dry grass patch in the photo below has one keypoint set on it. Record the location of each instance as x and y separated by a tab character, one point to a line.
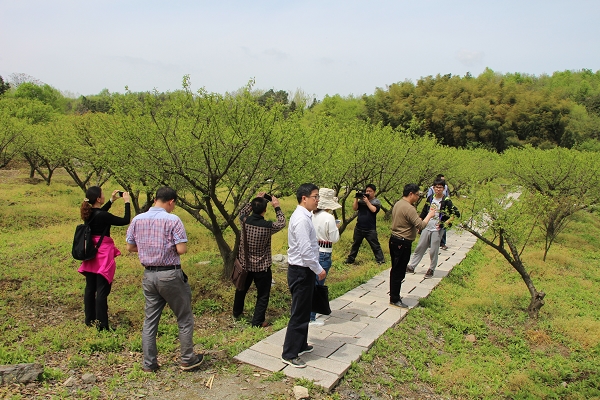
518	381
584	330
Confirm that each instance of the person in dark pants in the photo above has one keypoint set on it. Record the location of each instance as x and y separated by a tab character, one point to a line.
99	272
303	259
258	233
366	225
405	223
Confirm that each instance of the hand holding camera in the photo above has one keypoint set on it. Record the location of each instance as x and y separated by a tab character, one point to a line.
119	193
274	201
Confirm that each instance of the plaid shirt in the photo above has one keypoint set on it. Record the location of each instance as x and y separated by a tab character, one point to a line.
155	233
258	232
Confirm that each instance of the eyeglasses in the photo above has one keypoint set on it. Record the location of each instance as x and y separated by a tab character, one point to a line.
316	196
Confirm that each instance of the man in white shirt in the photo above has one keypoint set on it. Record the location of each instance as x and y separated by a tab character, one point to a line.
303	260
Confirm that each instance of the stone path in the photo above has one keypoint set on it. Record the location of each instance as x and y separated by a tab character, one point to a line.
357	319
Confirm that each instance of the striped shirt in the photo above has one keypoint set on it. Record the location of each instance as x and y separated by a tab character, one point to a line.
155	233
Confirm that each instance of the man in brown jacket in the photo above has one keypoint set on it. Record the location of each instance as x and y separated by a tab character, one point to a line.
405	224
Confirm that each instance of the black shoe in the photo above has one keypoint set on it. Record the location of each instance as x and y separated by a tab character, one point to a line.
308	349
348	261
190	366
294	362
381	262
398	303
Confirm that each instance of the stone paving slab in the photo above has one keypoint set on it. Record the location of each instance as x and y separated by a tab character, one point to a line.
253	357
320	377
359	317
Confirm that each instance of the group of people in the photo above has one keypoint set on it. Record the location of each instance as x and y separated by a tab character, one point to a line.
159	238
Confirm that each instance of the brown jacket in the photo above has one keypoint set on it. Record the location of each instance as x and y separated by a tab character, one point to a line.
405	220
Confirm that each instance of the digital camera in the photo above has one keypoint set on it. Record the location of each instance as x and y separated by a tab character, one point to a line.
359	194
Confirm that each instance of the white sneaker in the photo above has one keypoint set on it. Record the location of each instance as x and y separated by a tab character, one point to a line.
317	322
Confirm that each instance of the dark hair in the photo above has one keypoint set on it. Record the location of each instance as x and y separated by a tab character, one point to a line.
410	188
92	195
259	205
439	182
370	185
165	194
441	176
305	190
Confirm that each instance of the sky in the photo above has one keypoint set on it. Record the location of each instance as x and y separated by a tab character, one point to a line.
322	47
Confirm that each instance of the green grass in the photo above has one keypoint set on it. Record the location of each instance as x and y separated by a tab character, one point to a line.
555	356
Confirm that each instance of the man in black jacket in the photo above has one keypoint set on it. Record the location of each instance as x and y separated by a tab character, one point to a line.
431	235
366	225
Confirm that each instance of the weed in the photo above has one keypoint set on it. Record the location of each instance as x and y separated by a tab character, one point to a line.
76	361
105	343
276	376
307	383
16	356
52	374
207	305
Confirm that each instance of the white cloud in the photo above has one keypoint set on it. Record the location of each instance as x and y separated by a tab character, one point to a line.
470	58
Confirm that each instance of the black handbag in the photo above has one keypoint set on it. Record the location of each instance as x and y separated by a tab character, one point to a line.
239	273
320	300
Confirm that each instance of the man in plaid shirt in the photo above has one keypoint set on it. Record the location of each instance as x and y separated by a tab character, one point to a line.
258	234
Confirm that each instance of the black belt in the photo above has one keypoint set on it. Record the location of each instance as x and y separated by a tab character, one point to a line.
325	245
161	267
399	238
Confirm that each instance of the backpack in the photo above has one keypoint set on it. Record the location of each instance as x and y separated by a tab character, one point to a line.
83	245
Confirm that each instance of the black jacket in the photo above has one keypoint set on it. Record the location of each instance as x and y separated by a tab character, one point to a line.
447	210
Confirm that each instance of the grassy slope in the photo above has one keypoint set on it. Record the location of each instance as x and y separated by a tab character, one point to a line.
556	356
41	315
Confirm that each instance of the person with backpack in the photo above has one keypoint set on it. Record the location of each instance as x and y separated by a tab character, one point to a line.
100	270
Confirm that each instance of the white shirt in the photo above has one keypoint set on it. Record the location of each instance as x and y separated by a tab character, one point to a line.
303	248
327	230
434	223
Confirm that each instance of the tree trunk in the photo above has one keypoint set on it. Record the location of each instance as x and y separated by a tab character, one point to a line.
537	301
227	254
537	298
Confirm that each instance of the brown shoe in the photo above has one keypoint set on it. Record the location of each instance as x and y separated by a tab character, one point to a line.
190	366
410	270
429	274
444	247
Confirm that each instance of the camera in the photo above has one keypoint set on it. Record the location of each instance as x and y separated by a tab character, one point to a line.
359	194
120	194
267	197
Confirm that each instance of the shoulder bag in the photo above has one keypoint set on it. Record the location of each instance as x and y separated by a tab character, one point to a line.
239	273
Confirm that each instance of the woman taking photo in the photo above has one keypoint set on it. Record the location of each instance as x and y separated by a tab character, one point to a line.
100	271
